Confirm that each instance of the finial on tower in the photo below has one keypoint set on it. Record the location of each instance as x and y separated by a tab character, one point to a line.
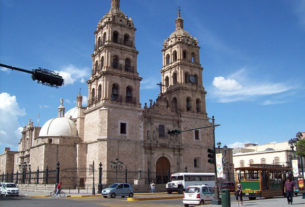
179	20
61	108
115	4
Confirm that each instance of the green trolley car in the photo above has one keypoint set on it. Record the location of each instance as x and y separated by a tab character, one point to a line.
262	180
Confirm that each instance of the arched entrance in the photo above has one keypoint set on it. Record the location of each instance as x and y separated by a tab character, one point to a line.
162	170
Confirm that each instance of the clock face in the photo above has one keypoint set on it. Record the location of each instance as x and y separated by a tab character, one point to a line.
192	79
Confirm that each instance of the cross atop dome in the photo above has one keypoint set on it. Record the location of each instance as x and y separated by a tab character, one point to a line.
179	20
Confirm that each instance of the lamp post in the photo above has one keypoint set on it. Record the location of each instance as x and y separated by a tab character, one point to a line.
299	135
293	142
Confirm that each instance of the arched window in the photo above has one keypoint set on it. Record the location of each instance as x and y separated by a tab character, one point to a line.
175	56
186	77
174	104
167	59
104	37
251	162
93	94
115	61
184	54
99	42
193	58
129	94
196	78
188	104
276	160
115	92
126	39
99	92
127	64
166	81
95	67
174	78
198	105
263	161
115	36
241	163
102	62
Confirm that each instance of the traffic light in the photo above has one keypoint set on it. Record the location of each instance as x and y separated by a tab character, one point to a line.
174	132
211	156
47	77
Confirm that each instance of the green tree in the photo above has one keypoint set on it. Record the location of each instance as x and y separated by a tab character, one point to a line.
301	147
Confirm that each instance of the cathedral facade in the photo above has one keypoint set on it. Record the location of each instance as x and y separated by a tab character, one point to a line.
114	127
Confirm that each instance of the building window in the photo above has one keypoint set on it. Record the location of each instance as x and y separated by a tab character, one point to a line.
127	64
102	62
188	104
193	58
276	160
167	59
198	105
126	39
104	37
115	36
50	141
196	133
175	56
166	81
251	162
115	92
184	54
115	61
123	128
93	94
99	42
161	131
196	162
241	163
129	94
263	161
174	104
174	78
99	92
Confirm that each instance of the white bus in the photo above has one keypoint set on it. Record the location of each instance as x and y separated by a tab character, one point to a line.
180	181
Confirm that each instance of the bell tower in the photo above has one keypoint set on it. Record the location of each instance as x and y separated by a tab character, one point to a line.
114	78
181	73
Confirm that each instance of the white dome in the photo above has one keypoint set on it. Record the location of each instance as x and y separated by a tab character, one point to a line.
73	113
58	127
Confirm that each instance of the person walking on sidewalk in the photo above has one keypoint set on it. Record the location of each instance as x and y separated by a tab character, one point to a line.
58	188
239	194
152	187
288	188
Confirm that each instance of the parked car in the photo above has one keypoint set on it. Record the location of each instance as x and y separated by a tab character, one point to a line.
198	194
227	185
118	189
9	189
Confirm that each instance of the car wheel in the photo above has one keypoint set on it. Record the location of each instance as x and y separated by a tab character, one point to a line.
186	205
169	192
130	195
180	190
112	195
105	196
202	202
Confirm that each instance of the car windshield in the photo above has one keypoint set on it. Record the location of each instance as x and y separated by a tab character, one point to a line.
192	190
173	178
11	185
113	185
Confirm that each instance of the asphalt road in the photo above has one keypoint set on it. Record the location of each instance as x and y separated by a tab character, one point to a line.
117	202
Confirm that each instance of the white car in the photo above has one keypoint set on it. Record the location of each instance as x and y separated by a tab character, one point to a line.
9	189
197	195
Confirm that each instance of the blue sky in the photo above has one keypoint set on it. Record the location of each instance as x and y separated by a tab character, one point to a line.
252	52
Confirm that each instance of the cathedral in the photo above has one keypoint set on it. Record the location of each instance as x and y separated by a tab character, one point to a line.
113	128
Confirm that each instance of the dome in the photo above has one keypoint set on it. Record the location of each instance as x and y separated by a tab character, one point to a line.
59	127
73	113
180	33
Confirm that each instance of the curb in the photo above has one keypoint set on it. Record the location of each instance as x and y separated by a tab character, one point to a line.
154	198
39	196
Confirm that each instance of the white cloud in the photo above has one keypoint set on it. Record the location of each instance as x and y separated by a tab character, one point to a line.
238	87
43	106
4	69
237	144
272	102
72	74
9	126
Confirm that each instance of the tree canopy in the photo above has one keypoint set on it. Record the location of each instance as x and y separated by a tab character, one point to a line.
301	147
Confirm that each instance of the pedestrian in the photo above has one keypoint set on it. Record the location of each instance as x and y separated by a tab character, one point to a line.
152	187
58	188
288	189
239	194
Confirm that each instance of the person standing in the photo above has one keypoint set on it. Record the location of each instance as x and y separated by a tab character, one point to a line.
288	188
152	187
239	194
